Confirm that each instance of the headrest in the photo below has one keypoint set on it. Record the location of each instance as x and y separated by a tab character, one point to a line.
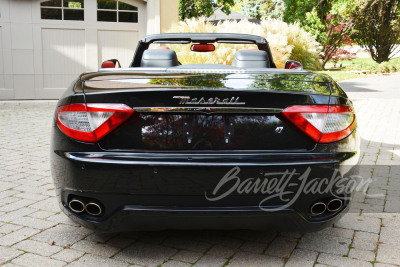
159	58
251	59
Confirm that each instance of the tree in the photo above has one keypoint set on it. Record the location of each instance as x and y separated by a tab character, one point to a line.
331	23
261	9
377	27
198	8
328	21
342	54
296	10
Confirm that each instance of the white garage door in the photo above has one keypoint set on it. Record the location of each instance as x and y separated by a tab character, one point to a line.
50	42
1	62
117	44
63	56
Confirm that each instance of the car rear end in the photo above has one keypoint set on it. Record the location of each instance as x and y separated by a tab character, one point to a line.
149	151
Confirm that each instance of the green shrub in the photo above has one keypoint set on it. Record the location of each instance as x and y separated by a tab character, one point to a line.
384	67
305	48
393	67
287	41
397	65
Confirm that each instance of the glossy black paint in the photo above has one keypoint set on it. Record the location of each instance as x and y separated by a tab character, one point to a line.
148	182
205	132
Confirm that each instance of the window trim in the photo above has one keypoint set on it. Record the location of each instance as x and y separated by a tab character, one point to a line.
118	10
62	8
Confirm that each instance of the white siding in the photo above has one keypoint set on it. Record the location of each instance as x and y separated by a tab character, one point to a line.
1	61
120	45
64	57
40	58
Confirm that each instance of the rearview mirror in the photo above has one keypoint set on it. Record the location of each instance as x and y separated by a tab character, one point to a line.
110	63
292	64
202	47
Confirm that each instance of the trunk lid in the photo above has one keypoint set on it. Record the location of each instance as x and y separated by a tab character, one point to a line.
207	112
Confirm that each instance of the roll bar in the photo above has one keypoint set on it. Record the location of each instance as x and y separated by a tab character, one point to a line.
186	38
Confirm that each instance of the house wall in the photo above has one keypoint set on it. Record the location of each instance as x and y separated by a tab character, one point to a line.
169	14
40	58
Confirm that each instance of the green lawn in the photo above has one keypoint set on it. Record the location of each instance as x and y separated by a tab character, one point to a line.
361	64
368	64
341	75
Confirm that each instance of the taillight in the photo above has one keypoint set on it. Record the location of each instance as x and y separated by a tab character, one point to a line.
323	123
91	122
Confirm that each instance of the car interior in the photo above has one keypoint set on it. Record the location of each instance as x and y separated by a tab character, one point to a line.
163	57
163	51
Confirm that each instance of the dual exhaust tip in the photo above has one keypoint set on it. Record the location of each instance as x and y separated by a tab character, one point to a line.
79	206
321	207
94	209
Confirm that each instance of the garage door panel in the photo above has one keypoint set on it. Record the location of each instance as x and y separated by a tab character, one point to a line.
1	60
64	56
117	44
58	81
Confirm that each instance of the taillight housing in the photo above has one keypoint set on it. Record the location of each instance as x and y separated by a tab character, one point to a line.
323	123
91	122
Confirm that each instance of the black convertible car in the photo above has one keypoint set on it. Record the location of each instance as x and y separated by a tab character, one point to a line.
165	145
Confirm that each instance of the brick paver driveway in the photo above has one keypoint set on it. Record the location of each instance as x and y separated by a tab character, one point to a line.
33	232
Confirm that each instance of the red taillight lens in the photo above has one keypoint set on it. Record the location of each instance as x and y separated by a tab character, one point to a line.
202	47
291	64
323	123
107	65
91	122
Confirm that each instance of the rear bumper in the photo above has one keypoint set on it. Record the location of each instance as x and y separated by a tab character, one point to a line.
138	218
207	160
155	192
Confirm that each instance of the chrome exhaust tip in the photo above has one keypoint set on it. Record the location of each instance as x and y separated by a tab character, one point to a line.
93	209
334	205
318	208
76	205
